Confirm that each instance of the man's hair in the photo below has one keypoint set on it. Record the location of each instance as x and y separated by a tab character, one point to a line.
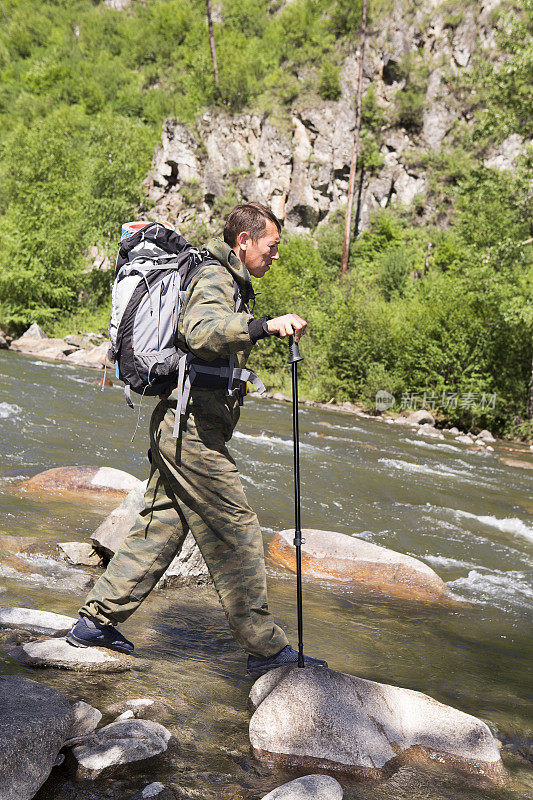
249	217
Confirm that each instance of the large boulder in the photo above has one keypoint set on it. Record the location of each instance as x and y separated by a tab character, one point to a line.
35	342
91	481
332	556
34	621
310	787
320	719
188	568
95	357
108	536
117	744
60	654
35	721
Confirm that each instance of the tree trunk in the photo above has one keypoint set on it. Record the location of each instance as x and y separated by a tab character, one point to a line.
212	42
530	398
353	165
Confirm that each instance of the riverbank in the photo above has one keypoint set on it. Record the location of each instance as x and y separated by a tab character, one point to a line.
91	350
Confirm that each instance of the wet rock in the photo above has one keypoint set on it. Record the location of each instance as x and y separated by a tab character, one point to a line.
464	438
429	430
5	341
310	787
320	719
117	744
35	621
328	555
485	436
86	719
35	720
80	553
105	481
142	708
155	789
58	653
421	417
187	569
281	398
95	357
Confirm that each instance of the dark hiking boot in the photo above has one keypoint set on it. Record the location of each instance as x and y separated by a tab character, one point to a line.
89	633
258	666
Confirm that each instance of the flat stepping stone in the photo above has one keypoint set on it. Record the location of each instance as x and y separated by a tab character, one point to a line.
319	719
80	553
310	787
35	621
332	556
116	744
60	654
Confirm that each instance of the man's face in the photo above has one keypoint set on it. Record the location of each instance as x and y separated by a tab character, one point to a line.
258	256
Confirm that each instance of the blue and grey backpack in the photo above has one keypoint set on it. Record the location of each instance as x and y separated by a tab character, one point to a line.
154	268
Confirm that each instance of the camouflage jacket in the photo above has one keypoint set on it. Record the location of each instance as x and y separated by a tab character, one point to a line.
208	325
210	328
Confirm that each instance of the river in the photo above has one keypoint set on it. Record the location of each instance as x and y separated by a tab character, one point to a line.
465	513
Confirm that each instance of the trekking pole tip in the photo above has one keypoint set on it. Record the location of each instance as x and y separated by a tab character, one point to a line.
293	350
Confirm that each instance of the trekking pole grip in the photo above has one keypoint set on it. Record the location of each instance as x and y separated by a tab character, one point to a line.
294	351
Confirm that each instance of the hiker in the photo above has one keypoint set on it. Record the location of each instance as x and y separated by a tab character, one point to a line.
194	484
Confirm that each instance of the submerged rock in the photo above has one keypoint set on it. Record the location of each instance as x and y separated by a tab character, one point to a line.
310	787
35	721
59	653
328	555
35	621
105	481
155	789
515	462
320	719
116	744
80	553
187	568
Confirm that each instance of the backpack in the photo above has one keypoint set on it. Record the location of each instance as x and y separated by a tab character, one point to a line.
154	268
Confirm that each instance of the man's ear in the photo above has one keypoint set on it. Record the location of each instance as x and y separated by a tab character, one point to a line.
243	240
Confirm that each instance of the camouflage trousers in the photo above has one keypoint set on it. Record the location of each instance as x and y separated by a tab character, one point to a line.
194	485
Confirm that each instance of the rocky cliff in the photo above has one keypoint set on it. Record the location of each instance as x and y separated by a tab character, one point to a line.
299	163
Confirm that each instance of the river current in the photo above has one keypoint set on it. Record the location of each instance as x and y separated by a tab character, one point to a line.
463	512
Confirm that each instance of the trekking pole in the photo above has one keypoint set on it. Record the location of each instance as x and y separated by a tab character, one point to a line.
294	358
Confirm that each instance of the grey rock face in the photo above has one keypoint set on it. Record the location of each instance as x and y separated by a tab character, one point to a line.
35	720
110	533
316	717
35	621
310	787
86	719
116	744
58	653
188	568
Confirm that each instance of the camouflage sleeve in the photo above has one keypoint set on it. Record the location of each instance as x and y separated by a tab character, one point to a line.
210	327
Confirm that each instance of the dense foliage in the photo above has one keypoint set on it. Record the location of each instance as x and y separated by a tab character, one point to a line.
83	91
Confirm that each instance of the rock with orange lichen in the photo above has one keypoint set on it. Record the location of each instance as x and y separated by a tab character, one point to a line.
104	481
331	556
